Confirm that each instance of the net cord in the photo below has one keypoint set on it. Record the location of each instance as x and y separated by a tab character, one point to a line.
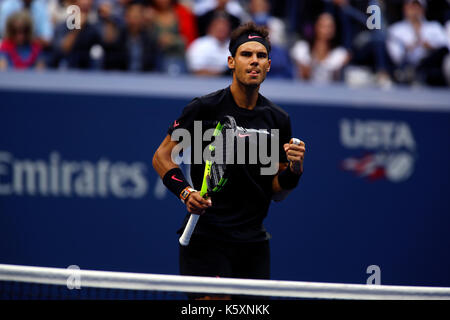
176	283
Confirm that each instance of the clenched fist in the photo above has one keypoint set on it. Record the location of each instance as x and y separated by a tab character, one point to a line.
295	153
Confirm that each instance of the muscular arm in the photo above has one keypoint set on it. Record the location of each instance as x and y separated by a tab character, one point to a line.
162	159
162	163
294	153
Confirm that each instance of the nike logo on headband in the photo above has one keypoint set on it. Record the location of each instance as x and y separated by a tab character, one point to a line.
253	37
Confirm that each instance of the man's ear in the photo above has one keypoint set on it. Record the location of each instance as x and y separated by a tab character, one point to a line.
231	63
268	68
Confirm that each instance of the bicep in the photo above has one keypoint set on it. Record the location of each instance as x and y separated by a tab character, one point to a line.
162	159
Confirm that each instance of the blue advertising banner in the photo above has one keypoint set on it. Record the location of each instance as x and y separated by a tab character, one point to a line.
77	188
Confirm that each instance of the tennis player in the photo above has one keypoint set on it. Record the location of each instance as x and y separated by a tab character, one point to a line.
230	239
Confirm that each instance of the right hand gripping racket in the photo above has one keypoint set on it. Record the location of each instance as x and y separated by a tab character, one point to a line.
216	172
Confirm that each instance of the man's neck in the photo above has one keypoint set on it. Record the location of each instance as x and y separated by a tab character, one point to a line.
244	96
416	23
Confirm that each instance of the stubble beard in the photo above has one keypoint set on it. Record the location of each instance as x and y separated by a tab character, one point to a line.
250	86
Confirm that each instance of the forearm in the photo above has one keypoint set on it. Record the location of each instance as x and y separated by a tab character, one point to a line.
282	189
276	188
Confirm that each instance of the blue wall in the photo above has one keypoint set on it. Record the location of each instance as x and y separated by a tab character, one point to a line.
387	205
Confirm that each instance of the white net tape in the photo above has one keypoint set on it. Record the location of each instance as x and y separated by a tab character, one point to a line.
175	283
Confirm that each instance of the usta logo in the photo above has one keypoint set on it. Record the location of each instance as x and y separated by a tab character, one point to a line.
388	149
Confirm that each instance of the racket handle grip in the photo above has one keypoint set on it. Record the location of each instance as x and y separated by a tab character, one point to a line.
190	226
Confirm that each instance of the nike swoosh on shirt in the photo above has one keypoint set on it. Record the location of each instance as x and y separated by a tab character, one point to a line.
173	177
243	135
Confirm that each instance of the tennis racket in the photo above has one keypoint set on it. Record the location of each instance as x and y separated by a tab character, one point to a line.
216	172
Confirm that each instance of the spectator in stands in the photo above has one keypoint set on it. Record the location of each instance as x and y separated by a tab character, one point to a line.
260	14
367	47
188	23
131	47
302	16
222	6
418	47
73	48
233	7
18	49
281	66
112	9
42	24
207	56
321	59
175	28
58	10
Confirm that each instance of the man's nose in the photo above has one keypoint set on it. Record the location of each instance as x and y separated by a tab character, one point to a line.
254	60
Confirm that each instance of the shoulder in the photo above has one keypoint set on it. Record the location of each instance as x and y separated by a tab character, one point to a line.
213	98
397	27
278	112
207	100
300	52
433	25
200	45
300	47
338	56
182	10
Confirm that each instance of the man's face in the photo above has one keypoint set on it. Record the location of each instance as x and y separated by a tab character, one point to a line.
134	17
413	11
259	6
250	64
220	29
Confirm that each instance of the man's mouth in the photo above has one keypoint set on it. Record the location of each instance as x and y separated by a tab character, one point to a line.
253	72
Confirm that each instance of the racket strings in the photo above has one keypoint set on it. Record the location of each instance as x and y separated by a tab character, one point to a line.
223	149
217	173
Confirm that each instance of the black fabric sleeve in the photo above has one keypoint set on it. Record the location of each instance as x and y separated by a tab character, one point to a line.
186	121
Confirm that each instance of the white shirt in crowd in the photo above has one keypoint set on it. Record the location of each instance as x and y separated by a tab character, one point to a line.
200	7
321	71
401	35
277	31
207	53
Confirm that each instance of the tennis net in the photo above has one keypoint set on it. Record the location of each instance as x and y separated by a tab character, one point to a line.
27	282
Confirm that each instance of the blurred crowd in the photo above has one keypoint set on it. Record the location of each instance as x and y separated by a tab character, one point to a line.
318	41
